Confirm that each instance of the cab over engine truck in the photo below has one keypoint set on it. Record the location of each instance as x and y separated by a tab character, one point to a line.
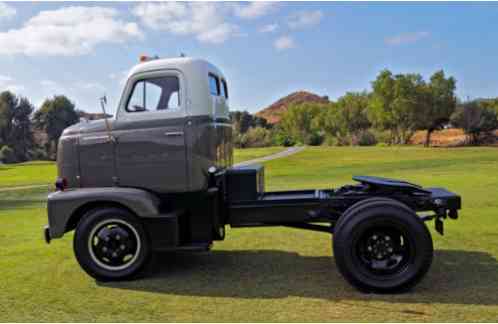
159	176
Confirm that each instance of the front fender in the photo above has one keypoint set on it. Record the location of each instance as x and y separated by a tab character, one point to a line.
62	205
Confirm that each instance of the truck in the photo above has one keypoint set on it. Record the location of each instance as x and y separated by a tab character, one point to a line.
159	176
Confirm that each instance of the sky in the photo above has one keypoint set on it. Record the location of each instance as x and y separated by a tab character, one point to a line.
266	50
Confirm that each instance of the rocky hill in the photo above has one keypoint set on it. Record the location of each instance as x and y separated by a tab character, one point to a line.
273	112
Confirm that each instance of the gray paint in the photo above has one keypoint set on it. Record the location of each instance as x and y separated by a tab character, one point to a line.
161	155
62	204
147	153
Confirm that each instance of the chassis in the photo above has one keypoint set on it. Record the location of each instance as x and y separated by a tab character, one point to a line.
380	242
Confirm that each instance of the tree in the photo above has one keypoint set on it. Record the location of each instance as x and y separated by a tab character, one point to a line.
243	120
15	124
475	120
353	108
331	121
22	134
441	102
380	111
297	122
8	104
397	104
53	117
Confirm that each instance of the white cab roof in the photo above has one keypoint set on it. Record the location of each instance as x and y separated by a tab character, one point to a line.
187	65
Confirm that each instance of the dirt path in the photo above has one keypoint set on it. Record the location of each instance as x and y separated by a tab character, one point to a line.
287	152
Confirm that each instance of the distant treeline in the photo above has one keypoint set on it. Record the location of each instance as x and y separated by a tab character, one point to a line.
390	113
26	134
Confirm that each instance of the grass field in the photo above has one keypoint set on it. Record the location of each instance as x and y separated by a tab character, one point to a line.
273	274
250	154
24	174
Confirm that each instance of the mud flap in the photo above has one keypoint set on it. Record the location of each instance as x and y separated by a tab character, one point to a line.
439	225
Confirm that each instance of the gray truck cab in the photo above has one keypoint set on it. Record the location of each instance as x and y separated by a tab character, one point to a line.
172	124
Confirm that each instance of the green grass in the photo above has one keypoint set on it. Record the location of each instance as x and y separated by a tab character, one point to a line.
24	174
273	274
254	153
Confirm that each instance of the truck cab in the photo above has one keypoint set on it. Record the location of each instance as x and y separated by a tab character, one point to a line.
172	124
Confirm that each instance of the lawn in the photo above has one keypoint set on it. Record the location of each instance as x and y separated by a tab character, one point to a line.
273	274
25	174
240	155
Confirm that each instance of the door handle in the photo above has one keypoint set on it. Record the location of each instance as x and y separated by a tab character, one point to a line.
173	133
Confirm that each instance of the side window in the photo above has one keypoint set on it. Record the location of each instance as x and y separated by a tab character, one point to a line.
224	89
154	94
214	85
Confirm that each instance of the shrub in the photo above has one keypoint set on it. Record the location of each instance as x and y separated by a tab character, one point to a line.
282	139
314	139
478	122
381	136
256	137
7	155
38	154
364	138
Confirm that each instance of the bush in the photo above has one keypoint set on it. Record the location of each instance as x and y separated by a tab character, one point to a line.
282	139
314	139
477	121
330	140
365	138
381	136
7	155
38	154
256	137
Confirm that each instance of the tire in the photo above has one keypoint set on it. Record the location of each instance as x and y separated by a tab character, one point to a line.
380	245
111	244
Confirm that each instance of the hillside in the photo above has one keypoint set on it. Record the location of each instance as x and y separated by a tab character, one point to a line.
273	112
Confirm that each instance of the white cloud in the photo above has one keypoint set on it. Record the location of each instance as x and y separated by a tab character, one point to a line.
254	9
68	31
303	19
7	84
206	21
407	38
5	78
270	28
284	42
6	11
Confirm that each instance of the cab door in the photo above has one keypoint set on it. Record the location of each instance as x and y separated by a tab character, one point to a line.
151	150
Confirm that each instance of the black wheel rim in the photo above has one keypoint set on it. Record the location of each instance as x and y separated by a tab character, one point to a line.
114	244
384	250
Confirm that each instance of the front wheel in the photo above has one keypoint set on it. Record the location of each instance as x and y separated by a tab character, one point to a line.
111	244
382	246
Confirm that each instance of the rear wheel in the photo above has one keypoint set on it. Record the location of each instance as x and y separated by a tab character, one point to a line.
111	244
382	246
